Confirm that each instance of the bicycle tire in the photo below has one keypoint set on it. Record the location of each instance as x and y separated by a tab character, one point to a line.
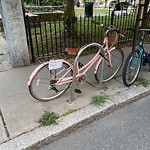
129	68
40	87
117	57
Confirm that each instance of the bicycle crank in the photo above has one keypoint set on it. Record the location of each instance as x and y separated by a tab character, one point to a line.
81	79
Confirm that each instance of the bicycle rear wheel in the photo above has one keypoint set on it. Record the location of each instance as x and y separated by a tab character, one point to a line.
43	86
132	68
117	57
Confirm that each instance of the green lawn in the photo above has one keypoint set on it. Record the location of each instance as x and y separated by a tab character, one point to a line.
80	11
49	36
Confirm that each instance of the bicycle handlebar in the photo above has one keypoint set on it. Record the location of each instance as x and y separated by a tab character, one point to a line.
143	32
108	28
100	25
148	30
133	30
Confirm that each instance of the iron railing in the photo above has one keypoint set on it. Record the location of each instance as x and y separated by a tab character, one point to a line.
50	34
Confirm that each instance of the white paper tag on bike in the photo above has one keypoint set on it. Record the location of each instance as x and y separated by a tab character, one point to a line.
55	64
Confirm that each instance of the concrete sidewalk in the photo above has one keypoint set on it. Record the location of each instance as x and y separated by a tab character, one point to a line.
19	112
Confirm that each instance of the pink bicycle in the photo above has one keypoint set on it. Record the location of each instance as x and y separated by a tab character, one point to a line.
52	78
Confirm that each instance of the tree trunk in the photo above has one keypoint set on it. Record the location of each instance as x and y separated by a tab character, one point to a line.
146	15
70	17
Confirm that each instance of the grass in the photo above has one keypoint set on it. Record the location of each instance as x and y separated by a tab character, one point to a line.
142	81
49	35
99	100
48	118
82	25
69	112
80	10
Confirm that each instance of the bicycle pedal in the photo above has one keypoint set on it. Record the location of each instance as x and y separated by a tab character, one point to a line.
78	91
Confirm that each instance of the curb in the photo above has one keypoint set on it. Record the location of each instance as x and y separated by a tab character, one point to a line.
44	135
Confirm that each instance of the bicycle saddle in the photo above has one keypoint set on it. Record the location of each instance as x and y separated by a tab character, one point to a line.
72	51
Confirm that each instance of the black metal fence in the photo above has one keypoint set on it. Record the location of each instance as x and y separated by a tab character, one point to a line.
50	34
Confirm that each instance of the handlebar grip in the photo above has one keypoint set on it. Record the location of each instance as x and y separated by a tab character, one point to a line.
148	30
120	33
144	30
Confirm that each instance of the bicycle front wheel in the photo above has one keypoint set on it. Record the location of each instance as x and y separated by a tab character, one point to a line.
131	67
117	57
44	87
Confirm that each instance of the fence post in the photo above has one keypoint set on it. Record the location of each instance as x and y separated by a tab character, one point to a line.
24	17
30	38
112	16
138	19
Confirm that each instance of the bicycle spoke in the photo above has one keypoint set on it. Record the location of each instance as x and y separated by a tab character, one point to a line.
109	72
131	68
44	84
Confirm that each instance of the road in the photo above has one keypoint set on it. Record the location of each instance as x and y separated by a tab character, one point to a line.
125	129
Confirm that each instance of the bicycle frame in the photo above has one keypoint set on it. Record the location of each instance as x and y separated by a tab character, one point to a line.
60	75
141	48
83	70
108	51
134	61
80	71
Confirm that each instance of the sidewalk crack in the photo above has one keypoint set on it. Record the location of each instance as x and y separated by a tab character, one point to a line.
118	80
4	124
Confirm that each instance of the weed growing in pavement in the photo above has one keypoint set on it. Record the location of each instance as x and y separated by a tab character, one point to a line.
69	112
99	100
48	118
142	81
